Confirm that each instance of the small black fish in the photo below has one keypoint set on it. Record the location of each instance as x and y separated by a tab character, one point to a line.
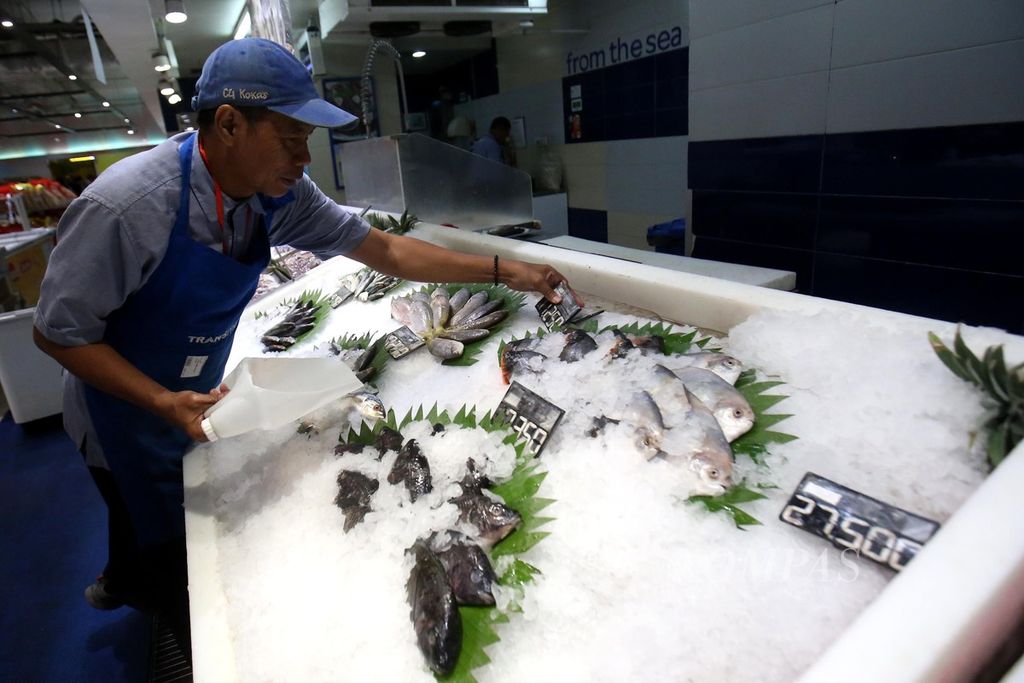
346	448
354	493
434	614
578	344
470	573
388	440
492	518
411	467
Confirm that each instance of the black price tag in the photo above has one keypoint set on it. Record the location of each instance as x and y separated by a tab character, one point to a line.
530	416
556	315
402	342
850	520
341	296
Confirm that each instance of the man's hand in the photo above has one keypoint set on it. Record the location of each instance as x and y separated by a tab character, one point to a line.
184	409
534	277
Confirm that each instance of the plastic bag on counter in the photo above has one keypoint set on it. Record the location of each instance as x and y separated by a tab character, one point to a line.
549	170
267	393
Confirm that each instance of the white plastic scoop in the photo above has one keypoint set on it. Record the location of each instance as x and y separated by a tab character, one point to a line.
267	393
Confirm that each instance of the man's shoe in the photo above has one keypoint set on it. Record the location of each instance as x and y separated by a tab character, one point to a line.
99	597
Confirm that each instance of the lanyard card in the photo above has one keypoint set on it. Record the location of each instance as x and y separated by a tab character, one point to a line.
530	416
851	520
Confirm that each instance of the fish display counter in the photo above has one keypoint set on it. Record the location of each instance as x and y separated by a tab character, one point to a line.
704	481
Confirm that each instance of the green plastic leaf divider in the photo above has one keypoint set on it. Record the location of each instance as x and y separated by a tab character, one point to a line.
363	342
519	492
1003	388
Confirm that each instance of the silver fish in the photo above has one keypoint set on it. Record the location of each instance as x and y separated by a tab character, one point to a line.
726	367
474	302
368	405
445	348
726	403
459	299
401	309
486	322
483	309
439	307
469	335
420	296
420	317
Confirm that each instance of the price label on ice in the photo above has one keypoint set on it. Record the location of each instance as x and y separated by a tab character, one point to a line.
556	315
402	342
851	520
530	416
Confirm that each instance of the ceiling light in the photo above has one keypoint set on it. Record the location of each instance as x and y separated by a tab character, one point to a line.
244	25
75	160
72	77
174	99
161	63
105	103
127	121
419	53
130	131
166	88
56	125
78	115
190	128
175	11
7	23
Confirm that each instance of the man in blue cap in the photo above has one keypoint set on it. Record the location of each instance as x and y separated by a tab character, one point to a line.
155	263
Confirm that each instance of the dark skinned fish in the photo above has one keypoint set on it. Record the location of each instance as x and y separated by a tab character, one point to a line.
578	344
470	573
354	493
493	519
458	300
434	614
486	322
517	356
474	302
412	468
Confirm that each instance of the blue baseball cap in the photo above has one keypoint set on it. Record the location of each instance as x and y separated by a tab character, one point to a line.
256	72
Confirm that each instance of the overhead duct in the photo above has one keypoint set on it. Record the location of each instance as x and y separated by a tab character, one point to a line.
394	29
458	29
338	15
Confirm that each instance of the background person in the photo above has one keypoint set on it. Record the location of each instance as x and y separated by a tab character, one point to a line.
496	144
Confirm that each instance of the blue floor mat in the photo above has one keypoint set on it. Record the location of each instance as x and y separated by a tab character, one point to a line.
53	541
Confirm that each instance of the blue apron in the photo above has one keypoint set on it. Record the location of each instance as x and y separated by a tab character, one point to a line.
177	329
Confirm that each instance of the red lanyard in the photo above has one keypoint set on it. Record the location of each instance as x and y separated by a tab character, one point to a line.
220	202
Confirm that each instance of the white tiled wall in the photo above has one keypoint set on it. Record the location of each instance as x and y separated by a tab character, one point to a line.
983	84
796	67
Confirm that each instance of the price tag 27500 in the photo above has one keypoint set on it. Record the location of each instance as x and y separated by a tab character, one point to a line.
851	520
530	416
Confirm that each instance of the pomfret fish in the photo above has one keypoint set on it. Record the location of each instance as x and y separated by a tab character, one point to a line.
726	403
726	367
368	405
518	356
435	616
577	345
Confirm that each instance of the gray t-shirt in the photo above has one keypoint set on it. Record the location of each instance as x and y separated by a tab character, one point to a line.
112	238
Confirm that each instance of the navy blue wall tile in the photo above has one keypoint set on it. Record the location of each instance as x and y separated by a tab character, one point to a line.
778	219
797	260
979	162
957	233
787	164
672	64
588	224
671	122
945	293
642	98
